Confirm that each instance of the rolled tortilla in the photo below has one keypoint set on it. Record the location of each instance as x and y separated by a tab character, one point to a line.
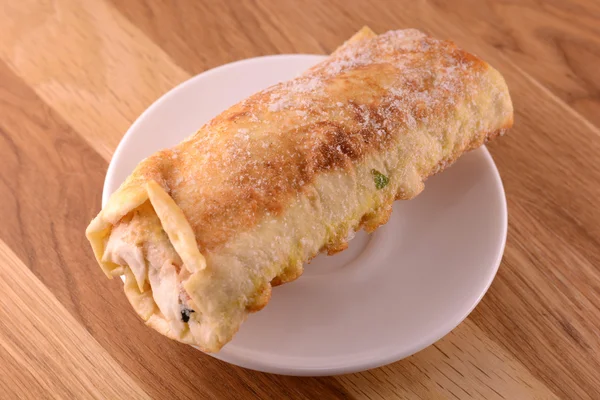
203	230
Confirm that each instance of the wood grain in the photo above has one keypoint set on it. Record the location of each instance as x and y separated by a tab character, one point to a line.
50	178
465	364
129	71
555	41
75	74
74	364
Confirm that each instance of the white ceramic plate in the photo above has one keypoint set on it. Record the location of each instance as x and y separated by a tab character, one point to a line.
391	293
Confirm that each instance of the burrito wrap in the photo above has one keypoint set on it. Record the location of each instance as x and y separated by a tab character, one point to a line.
202	231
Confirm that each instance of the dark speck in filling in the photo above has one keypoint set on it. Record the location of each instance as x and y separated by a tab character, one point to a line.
185	314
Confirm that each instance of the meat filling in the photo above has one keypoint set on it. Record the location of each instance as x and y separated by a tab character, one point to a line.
139	242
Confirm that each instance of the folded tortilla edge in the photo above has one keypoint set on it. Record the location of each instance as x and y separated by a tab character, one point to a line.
120	203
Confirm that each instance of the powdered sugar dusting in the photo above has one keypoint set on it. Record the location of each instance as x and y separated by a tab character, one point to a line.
295	93
369	95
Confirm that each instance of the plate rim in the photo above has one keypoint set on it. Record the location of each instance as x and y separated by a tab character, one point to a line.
393	357
281	369
108	180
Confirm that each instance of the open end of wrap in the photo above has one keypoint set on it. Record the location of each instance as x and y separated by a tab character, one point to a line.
120	204
149	241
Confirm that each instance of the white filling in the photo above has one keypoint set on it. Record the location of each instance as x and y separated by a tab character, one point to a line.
162	275
165	290
122	253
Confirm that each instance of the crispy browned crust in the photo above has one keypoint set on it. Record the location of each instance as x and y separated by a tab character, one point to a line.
248	179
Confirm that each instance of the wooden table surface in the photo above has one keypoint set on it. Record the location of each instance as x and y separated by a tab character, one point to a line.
74	74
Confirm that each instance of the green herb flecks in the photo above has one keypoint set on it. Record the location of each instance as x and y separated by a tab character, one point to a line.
380	179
